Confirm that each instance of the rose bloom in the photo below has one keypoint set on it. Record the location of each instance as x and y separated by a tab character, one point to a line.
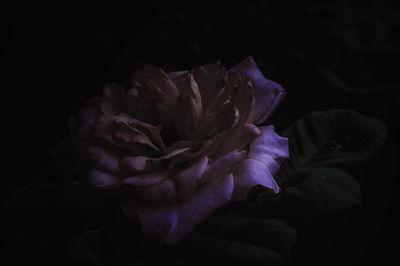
178	145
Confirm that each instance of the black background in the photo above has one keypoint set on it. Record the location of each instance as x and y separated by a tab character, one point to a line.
58	56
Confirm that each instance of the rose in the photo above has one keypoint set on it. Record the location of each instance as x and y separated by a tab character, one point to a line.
179	145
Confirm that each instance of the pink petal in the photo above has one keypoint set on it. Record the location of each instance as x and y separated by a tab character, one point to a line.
160	86
146	179
237	138
160	191
192	93
142	164
170	223
215	122
267	93
198	149
249	173
176	74
222	166
103	159
81	126
207	199
151	131
111	101
270	149
136	164
114	131
102	179
90	110
130	101
209	84
186	180
157	220
244	101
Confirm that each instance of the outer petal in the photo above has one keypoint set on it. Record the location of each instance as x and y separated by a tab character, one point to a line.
268	94
104	159
102	179
249	173
170	223
186	180
81	126
114	131
90	110
270	149
158	83
160	192
222	166
237	138
209	83
146	179
111	101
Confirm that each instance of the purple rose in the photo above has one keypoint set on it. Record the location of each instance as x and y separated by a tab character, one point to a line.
179	145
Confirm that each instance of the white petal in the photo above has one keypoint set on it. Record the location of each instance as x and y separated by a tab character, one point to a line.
170	223
267	93
187	179
248	174
102	179
270	149
222	166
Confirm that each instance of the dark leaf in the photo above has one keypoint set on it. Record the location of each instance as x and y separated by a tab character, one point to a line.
311	192
269	233
200	249
332	138
82	250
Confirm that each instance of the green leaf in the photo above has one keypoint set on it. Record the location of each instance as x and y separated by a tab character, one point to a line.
200	249
270	233
310	192
332	138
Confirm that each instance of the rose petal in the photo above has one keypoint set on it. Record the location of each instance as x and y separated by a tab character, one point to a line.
204	148
189	109
170	223
268	94
89	111
104	159
142	164
157	220
249	173
237	138
102	179
160	191
146	179
187	179
175	75
81	126
213	67
161	85
137	164
196	110
222	166
125	132
270	149
216	122
111	101
152	132
207	199
113	131
209	84
130	101
243	100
